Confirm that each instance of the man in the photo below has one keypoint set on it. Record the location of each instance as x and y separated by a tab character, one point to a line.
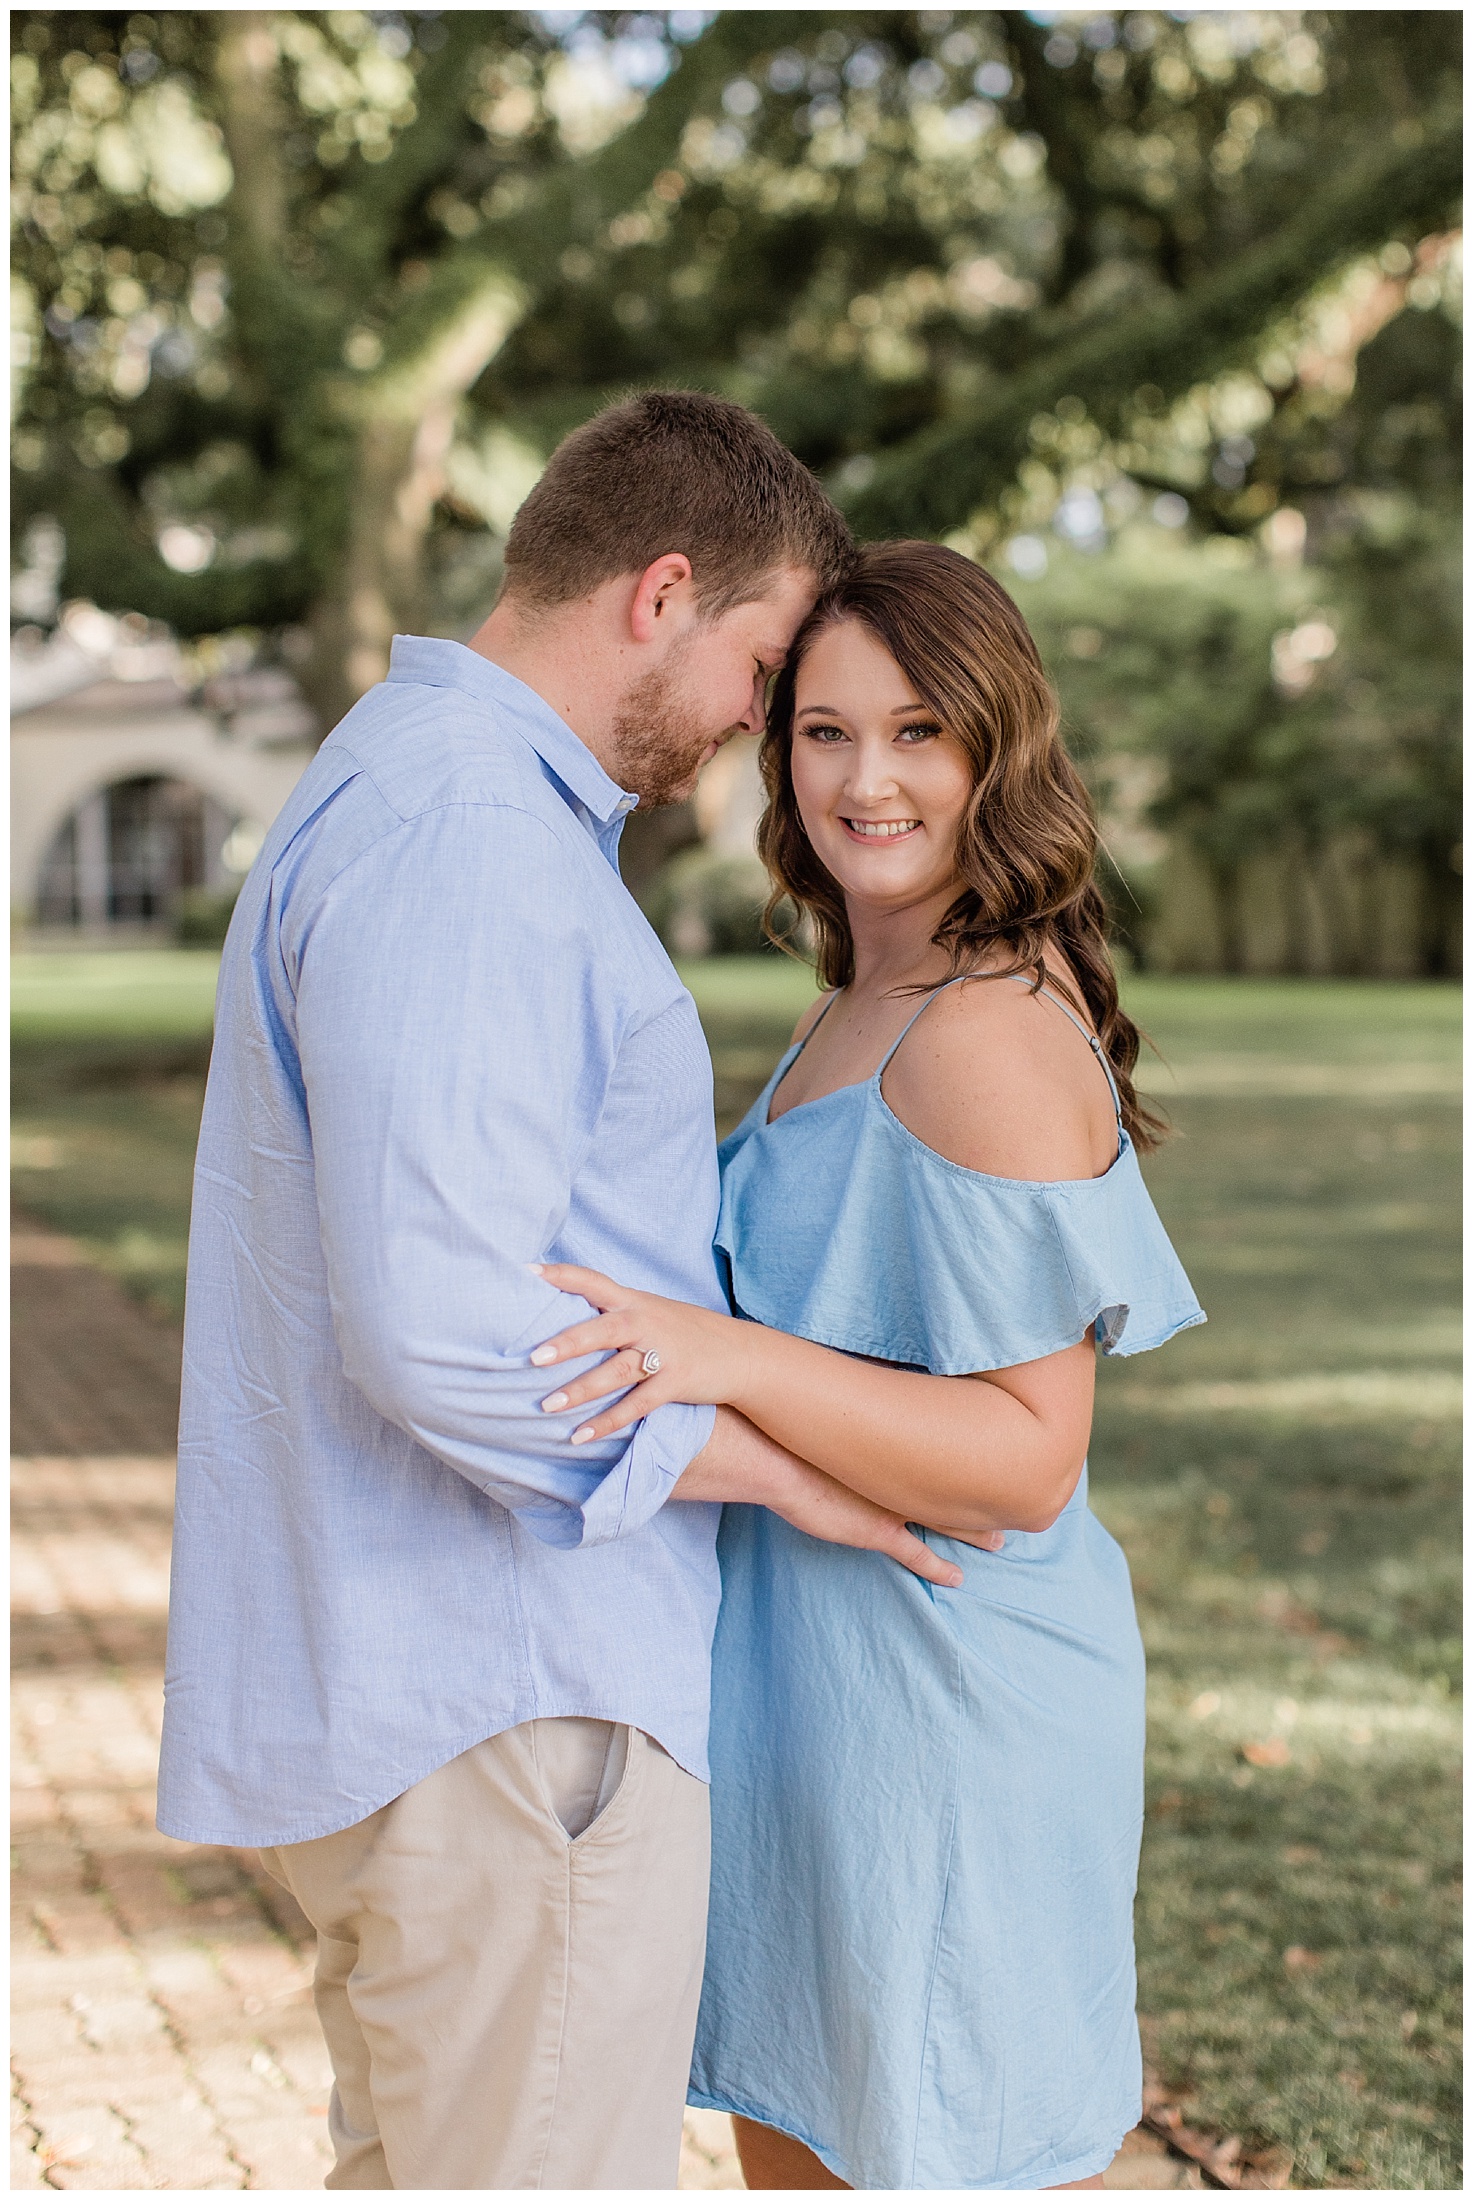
449	1673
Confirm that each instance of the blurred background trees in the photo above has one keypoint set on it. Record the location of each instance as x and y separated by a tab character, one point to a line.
1154	313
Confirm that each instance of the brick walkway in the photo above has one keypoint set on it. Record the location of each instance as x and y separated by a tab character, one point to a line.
91	1373
163	2033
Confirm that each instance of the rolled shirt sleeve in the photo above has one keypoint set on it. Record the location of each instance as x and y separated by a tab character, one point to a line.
455	1051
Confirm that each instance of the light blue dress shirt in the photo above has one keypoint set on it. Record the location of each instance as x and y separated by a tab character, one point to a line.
447	1044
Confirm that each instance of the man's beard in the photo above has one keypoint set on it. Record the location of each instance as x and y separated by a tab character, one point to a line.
659	739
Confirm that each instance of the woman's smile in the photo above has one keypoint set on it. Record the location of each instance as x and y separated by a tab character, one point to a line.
881	828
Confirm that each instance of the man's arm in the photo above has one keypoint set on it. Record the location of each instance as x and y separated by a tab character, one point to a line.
742	1466
455	1045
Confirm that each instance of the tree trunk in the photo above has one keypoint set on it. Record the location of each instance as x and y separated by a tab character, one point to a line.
245	77
1228	902
405	422
1298	915
1441	901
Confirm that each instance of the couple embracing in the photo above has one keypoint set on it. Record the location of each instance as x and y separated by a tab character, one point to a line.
643	1603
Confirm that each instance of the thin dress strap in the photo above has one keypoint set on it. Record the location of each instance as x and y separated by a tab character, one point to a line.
1018	977
930	997
796	1047
1083	1029
799	1044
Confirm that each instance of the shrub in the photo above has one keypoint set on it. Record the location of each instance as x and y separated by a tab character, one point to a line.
705	903
202	918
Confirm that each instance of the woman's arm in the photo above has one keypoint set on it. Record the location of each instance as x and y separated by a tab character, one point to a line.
959	1453
995	1080
955	1452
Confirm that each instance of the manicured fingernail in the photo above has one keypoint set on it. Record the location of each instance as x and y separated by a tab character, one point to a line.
533	1267
957	1578
556	1402
581	1436
544	1355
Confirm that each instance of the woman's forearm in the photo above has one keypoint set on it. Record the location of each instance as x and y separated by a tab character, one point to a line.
968	1454
953	1452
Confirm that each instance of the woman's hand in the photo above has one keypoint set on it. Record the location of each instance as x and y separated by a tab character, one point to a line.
701	1358
705	1359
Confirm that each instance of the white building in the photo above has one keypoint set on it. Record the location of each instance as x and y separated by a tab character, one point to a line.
132	783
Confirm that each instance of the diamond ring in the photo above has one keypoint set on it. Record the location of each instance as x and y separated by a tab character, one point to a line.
651	1363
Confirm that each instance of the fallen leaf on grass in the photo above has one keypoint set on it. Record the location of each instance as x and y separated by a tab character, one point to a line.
1220	2161
1268	1755
1269	2170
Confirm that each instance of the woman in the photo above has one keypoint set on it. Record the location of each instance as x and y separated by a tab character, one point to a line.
926	1800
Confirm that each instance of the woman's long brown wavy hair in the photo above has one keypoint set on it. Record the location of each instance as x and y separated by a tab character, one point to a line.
1027	845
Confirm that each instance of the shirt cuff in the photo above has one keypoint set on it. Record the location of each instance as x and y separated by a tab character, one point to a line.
636	1485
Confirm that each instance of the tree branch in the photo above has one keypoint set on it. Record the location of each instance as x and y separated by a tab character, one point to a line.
245	82
282	324
934	481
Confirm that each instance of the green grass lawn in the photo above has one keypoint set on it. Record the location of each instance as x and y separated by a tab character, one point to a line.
1284	1482
147	993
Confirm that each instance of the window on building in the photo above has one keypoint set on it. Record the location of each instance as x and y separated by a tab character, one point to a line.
128	852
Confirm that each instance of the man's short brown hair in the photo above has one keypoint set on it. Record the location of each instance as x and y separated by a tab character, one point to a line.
673	470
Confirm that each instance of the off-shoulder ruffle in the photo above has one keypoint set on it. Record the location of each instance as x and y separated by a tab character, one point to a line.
839	1225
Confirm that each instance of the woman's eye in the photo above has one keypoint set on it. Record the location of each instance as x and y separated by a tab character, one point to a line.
918	733
826	734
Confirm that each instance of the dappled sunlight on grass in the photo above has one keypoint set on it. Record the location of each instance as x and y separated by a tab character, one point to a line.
1285	1484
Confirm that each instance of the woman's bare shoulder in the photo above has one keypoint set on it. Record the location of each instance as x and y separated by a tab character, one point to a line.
996	1078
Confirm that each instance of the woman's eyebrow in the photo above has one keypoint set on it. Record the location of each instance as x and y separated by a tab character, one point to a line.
832	710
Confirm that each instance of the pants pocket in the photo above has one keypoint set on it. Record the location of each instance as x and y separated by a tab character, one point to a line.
582	1764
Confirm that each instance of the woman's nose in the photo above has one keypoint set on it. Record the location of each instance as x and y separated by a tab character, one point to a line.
871	776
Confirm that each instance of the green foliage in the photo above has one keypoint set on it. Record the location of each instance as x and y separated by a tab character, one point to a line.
1257	711
1165	654
306	297
202	919
705	903
1392	700
1166	344
897	233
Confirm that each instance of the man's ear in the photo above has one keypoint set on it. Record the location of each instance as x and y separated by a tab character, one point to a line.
661	586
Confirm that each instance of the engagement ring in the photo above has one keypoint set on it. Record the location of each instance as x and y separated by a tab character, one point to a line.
651	1363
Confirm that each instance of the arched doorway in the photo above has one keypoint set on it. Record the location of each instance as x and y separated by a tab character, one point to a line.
128	852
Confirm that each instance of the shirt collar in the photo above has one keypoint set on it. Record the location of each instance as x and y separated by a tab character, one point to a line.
429	663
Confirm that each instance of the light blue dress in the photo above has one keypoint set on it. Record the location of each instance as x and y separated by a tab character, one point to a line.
926	1802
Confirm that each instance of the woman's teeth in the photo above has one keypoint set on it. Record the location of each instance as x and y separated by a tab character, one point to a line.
882	828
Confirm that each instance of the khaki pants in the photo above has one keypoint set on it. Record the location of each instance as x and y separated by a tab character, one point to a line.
509	1965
